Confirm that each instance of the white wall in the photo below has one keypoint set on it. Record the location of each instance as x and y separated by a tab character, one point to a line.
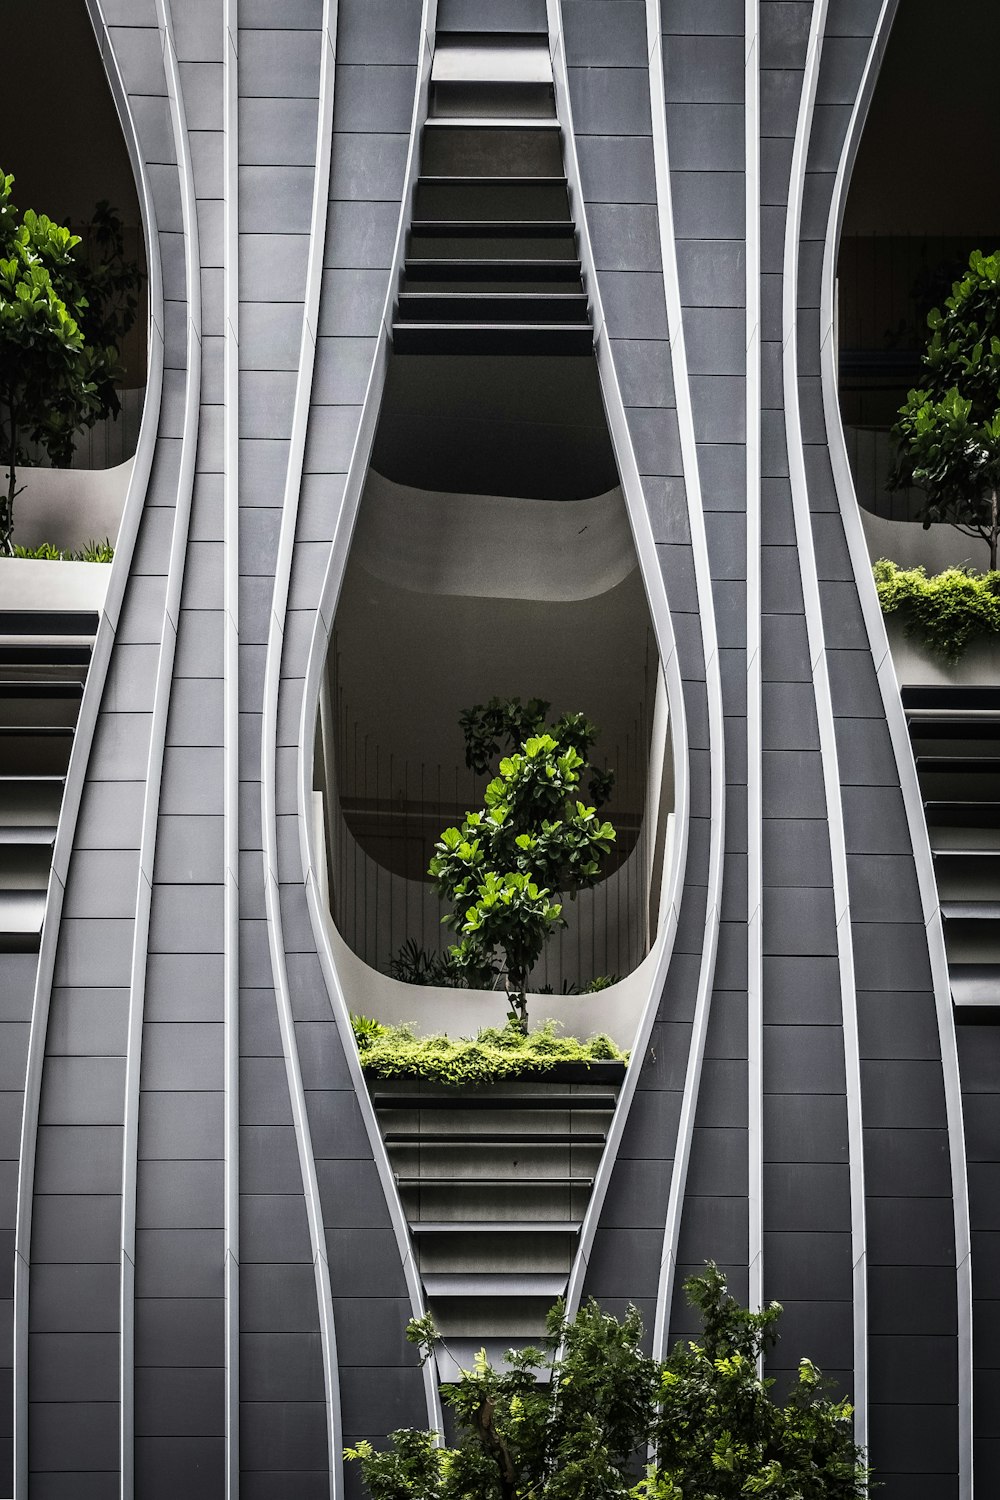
909	545
492	546
70	507
29	584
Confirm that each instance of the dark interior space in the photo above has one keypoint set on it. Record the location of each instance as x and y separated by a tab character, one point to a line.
923	195
60	135
485	424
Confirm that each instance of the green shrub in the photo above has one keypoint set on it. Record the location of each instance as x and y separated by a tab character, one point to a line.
577	1419
945	612
397	1052
367	1031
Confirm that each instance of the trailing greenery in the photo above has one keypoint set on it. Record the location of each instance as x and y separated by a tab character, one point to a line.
944	612
62	319
504	870
100	552
575	1420
948	431
397	1052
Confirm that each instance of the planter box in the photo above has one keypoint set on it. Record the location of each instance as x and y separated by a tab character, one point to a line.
978	666
50	587
70	507
609	1074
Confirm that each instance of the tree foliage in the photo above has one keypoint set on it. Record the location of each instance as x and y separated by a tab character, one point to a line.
62	319
948	430
505	869
575	1420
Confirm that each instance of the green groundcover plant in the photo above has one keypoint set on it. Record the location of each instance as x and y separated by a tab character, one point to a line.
944	612
495	1053
578	1419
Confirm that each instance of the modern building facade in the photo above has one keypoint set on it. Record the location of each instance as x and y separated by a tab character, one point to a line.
558	255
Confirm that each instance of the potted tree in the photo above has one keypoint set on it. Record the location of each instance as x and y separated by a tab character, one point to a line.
504	874
505	870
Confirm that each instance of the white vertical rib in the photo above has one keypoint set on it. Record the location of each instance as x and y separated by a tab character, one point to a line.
343	529
157	740
656	599
269	736
824	710
896	720
80	753
230	734
755	874
713	682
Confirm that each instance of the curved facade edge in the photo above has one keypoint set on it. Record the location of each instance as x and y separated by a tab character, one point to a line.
805	551
754	664
157	741
230	746
713	680
83	741
899	734
268	749
659	610
315	664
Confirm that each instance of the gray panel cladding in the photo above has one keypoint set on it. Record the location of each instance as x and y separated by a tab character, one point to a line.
380	1387
901	1100
77	1181
610	99
803	1066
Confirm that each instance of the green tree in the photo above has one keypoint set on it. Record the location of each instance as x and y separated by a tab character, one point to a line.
947	434
575	1420
505	869
62	318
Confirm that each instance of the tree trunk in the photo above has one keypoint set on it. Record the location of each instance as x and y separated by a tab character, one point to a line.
7	500
994	529
515	983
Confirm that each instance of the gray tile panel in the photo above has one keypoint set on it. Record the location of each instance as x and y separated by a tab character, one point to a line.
368	167
373	96
707	69
711	273
268	1434
166	1466
624	236
708	206
617	168
780	89
599	36
806	1127
377	31
610	101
